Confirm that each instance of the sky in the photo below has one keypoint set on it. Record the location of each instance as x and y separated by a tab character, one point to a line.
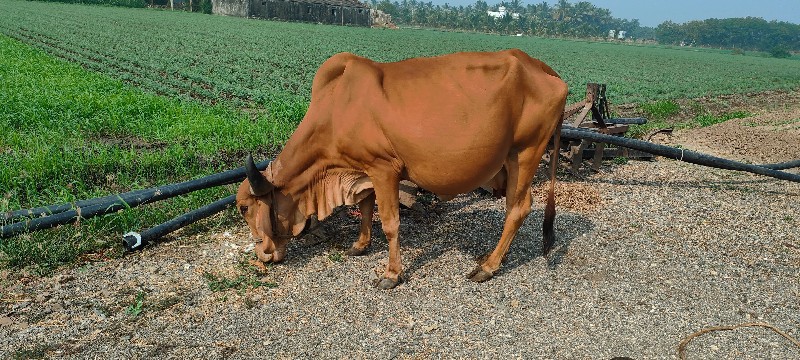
654	12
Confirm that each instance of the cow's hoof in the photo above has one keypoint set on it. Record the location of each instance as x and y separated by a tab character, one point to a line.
479	275
385	283
355	251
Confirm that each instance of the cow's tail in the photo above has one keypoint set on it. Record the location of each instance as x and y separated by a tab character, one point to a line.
548	233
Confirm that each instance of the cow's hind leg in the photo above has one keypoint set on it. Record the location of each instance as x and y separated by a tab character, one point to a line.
387	184
366	207
521	169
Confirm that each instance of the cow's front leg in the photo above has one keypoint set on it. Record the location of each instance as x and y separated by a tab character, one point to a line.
366	207
387	185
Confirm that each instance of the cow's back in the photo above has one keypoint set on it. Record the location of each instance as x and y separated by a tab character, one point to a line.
450	121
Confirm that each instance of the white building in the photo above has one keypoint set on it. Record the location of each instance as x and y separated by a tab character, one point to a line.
501	11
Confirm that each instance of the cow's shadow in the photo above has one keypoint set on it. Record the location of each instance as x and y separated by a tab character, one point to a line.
477	231
471	224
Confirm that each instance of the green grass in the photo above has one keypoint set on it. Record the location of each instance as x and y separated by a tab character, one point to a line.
68	134
660	110
704	120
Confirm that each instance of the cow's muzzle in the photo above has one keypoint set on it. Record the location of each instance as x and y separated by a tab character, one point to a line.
267	251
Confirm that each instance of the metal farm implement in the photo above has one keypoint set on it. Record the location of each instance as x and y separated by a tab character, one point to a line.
594	115
594	129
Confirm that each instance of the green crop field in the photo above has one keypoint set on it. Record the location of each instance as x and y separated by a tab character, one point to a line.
266	64
99	100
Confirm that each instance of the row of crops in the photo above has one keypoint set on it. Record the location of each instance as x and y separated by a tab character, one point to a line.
250	63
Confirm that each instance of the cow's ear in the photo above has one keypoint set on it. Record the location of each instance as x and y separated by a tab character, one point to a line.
259	185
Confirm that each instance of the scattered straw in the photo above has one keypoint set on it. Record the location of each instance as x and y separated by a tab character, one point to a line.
573	196
685	342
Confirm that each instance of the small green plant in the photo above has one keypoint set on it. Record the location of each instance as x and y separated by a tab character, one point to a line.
737	51
661	109
137	307
620	160
336	257
242	282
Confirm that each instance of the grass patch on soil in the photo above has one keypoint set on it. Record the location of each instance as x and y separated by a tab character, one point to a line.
39	351
68	134
704	120
664	114
660	110
241	282
248	276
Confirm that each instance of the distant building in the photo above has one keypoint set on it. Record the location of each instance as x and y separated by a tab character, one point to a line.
618	34
501	12
338	12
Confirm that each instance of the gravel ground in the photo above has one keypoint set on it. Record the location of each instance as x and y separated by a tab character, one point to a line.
655	252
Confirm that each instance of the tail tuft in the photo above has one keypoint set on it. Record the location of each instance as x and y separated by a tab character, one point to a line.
548	231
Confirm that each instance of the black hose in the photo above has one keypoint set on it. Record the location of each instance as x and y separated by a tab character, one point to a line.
223	178
676	153
45	211
133	241
626	121
782	166
124	201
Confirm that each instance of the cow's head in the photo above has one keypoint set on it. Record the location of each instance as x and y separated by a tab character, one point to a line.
273	218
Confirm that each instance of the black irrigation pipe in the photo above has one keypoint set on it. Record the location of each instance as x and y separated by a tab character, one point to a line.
44	211
677	154
783	165
627	121
66	213
133	240
124	201
49	210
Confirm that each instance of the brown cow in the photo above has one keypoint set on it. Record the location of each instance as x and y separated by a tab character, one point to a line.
449	124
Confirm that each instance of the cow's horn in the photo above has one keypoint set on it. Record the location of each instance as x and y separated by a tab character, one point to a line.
259	185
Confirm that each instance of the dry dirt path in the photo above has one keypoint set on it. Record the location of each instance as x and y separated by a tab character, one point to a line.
653	252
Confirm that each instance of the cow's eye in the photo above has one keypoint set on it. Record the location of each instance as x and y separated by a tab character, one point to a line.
243	210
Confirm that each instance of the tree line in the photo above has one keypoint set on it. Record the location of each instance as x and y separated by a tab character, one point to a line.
585	20
581	20
748	33
562	19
